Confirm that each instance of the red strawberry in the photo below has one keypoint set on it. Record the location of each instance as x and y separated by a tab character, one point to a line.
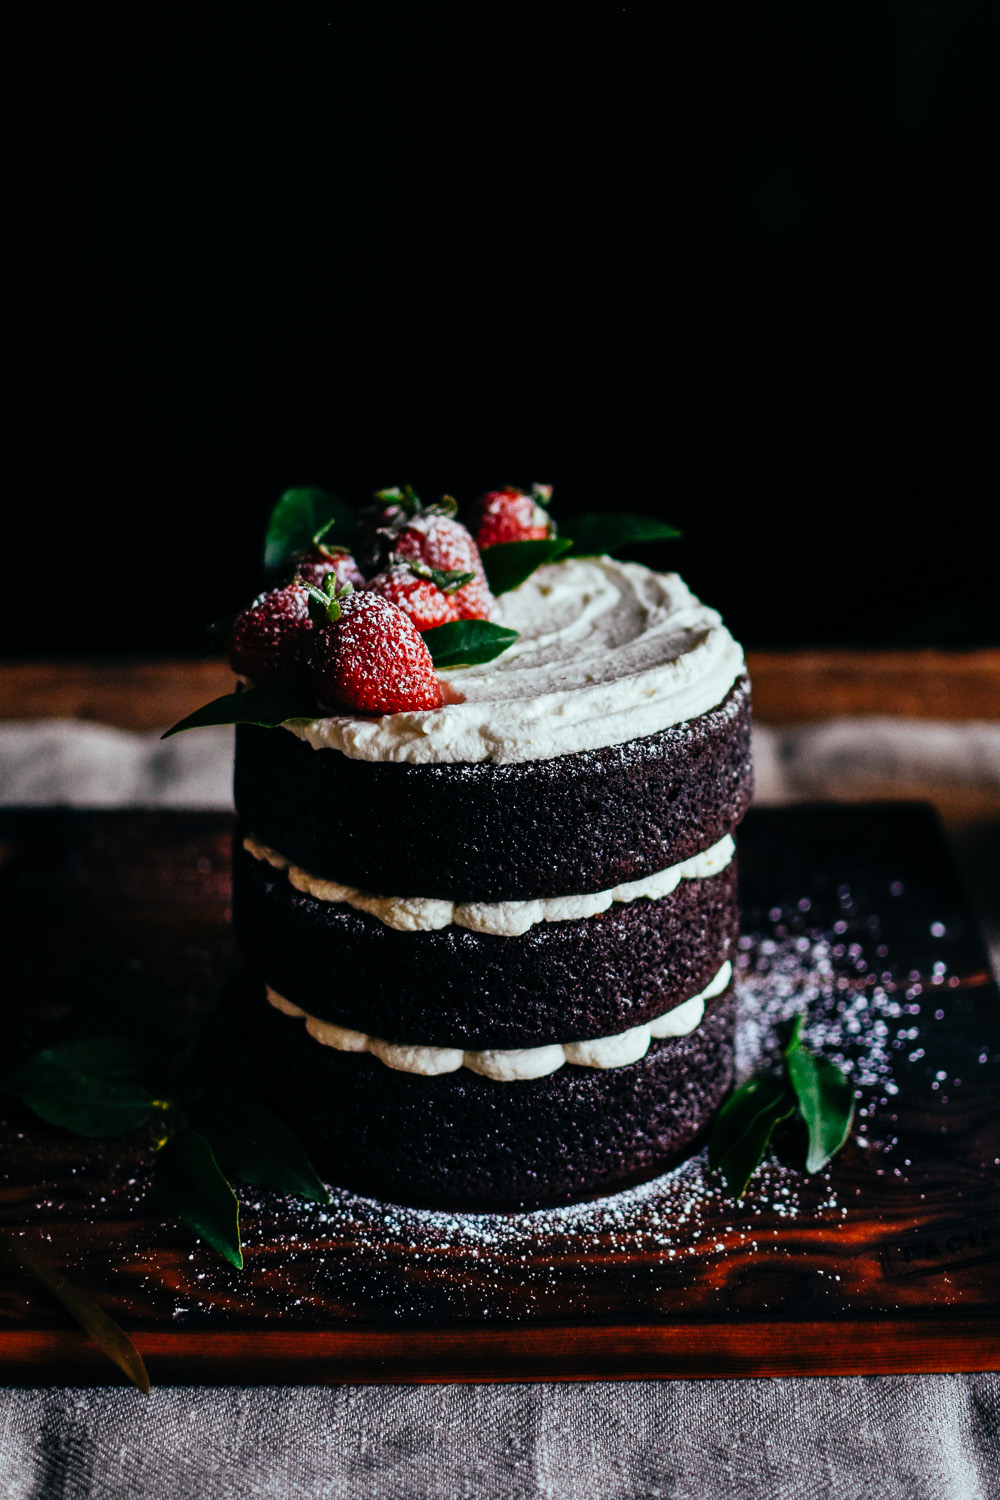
474	601
368	657
510	515
318	564
442	542
425	594
267	641
379	522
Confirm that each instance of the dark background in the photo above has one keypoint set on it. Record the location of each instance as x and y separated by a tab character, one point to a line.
736	270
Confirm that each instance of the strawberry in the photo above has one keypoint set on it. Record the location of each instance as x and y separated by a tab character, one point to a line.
266	642
366	656
425	594
312	567
379	521
440	541
511	515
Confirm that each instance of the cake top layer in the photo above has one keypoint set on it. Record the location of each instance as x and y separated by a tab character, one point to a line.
608	652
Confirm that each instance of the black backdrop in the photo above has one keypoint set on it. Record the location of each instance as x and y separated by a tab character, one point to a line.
733	269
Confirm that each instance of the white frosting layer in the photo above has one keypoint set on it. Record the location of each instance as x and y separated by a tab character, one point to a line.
498	918
609	652
519	1063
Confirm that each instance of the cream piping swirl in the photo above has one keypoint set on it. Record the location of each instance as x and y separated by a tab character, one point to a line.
496	918
608	652
517	1064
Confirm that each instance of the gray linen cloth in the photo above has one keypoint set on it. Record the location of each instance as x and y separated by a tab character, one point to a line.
891	1437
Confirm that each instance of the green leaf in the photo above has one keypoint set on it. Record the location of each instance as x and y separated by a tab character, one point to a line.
93	1086
509	563
296	519
466	643
597	534
826	1100
743	1127
268	706
94	1321
252	1144
189	1184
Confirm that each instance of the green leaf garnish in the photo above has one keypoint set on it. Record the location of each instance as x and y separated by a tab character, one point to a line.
251	1143
597	534
84	1311
189	1184
508	564
743	1128
93	1086
466	643
296	519
267	706
826	1099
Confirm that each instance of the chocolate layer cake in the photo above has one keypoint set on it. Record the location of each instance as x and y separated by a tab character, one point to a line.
492	942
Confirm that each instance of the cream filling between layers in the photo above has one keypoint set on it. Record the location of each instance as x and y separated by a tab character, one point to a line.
520	1063
608	652
496	918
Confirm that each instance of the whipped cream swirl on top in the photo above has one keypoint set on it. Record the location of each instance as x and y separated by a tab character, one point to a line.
609	652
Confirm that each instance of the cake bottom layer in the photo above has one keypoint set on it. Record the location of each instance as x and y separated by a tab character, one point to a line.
458	1140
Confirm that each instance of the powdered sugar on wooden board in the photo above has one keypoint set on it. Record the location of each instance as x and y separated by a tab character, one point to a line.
889	982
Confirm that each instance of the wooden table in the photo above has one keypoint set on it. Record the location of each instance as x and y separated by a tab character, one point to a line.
790	687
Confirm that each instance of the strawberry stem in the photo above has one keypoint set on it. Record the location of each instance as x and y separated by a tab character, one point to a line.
404	496
328	550
324	603
446	579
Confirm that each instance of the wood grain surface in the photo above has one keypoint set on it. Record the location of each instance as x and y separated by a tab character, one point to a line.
790	687
889	1261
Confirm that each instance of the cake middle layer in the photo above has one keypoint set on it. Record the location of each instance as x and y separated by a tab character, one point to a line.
559	981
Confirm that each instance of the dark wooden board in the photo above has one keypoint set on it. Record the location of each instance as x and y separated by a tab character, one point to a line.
889	1261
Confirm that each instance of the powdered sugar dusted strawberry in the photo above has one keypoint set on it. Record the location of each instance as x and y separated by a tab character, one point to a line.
321	562
425	594
511	515
378	523
368	657
267	641
442	542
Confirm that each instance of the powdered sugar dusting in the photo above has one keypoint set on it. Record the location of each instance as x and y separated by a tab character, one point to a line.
637	1250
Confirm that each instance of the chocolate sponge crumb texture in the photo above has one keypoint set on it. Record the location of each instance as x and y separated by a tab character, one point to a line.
506	981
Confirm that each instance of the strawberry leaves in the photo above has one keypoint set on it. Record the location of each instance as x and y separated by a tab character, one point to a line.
251	1144
743	1127
509	563
607	533
267	706
92	1087
324	602
810	1087
468	643
190	1185
298	517
95	1322
210	1132
825	1099
448	580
